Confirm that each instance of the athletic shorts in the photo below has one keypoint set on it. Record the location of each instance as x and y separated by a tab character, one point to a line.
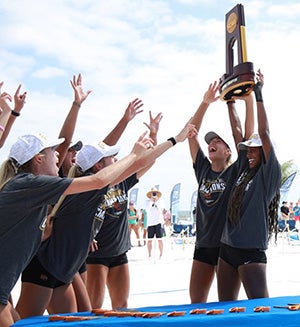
36	274
82	269
155	230
207	255
108	262
237	257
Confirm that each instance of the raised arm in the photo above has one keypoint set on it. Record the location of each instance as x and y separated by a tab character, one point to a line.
236	127
131	111
9	116
108	174
144	163
69	124
262	120
208	98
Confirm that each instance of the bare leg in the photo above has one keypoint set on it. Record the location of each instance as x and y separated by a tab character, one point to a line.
33	300
81	293
160	246
96	283
136	231
201	279
254	279
149	245
63	300
118	286
229	282
6	317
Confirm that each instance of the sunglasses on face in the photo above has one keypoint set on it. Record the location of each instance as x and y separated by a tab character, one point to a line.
154	193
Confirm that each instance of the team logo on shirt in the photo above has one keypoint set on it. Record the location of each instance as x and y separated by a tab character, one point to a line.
211	190
115	202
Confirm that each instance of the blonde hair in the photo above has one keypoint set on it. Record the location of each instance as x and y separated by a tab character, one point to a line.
7	171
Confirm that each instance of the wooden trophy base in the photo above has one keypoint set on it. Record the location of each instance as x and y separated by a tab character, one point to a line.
239	83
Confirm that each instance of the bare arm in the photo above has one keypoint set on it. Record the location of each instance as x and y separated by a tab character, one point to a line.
9	116
108	174
235	122
131	111
69	124
208	98
262	120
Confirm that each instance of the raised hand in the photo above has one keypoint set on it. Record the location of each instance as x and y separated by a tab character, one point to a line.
188	131
133	109
4	98
19	99
154	126
79	94
210	95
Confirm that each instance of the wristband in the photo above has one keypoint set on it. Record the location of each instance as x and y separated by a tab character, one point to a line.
230	101
76	104
2	128
172	140
14	113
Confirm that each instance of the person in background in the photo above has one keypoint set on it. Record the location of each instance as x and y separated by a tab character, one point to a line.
284	210
214	174
143	224
155	220
252	213
133	223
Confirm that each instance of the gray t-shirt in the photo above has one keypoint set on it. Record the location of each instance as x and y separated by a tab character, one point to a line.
213	193
113	237
252	231
23	210
63	253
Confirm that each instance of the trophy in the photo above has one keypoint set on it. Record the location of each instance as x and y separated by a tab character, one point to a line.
240	79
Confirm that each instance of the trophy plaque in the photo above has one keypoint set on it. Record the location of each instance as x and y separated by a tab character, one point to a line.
240	79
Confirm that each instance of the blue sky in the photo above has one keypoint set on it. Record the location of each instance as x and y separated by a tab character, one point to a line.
164	52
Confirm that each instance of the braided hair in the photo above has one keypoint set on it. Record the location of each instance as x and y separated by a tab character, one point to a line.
235	201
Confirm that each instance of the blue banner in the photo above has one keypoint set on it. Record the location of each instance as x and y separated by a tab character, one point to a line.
285	187
133	195
174	202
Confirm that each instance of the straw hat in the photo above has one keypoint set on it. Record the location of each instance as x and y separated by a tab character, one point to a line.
154	190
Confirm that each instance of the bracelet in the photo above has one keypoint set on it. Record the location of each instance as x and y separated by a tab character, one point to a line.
230	101
14	113
2	128
172	140
76	104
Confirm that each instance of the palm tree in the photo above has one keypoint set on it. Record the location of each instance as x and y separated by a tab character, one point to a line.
288	168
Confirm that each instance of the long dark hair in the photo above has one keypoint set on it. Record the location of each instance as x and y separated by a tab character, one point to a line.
235	201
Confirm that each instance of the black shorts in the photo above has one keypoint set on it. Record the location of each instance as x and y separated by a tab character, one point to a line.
108	262
36	274
207	255
82	269
237	257
155	230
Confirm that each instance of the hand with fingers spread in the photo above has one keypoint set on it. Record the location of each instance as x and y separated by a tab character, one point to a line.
210	95
79	94
133	109
154	126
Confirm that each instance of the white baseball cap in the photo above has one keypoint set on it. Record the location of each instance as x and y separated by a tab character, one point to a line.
211	135
89	155
27	146
253	141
